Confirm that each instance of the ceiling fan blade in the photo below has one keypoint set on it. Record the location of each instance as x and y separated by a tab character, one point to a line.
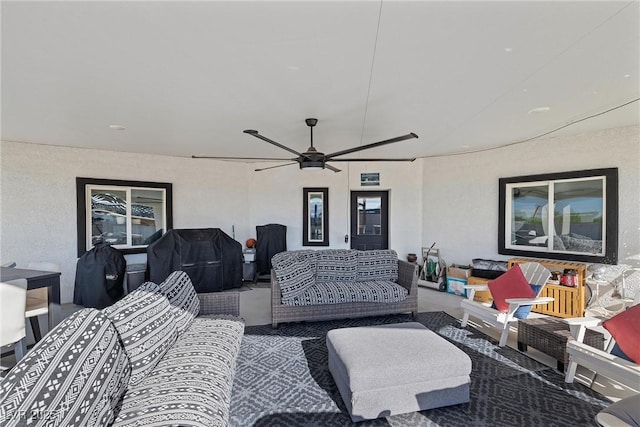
240	158
373	160
273	167
270	141
331	168
372	145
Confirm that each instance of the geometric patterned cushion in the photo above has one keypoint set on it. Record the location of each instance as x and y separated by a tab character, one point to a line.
191	386
293	272
147	328
184	301
345	292
380	264
336	265
74	376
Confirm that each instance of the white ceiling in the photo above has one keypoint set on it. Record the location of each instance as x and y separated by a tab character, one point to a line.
187	78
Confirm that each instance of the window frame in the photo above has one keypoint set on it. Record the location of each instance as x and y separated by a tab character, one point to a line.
609	176
84	211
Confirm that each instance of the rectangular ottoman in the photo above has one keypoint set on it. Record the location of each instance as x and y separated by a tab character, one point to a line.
394	369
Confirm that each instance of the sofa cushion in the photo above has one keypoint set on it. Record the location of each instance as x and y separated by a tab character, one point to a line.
182	296
336	265
624	327
74	376
311	256
146	326
191	386
375	291
379	264
511	284
293	272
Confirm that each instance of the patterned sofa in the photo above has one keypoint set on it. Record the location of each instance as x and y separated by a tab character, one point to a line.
159	356
340	283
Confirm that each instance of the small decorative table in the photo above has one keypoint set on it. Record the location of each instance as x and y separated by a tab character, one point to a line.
550	336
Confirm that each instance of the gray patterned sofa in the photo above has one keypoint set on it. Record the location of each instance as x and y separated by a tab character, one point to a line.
161	356
311	285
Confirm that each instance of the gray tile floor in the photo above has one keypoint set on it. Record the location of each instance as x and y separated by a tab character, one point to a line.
255	309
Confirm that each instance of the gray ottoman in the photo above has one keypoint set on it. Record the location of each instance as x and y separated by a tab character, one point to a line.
394	369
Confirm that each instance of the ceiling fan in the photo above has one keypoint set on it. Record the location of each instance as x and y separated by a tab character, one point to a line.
314	159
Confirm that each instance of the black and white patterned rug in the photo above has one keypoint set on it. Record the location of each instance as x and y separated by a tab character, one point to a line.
282	379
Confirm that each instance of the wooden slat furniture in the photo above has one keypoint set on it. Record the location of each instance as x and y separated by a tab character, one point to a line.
567	301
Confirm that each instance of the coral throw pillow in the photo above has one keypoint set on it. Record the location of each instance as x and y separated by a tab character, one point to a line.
625	329
511	284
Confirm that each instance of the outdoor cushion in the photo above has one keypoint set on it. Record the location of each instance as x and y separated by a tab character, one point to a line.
374	291
74	376
336	265
293	272
511	284
147	328
624	327
191	385
377	265
185	304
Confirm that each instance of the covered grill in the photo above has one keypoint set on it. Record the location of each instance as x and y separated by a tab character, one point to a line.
211	258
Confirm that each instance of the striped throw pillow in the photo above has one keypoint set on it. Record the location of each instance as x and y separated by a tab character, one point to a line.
147	328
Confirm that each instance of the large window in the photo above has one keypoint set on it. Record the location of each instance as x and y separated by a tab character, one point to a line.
568	215
129	215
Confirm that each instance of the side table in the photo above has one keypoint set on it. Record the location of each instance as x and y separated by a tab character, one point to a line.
550	336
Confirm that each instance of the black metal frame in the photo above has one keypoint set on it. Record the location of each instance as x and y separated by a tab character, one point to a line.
81	212
610	244
306	213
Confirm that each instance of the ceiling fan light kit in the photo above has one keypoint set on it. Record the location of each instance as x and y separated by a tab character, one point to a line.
313	159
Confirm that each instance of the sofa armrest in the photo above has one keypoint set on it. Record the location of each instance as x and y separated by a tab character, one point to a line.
408	276
226	302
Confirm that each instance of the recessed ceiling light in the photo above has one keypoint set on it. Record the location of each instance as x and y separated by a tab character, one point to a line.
117	127
508	49
539	110
464	147
525	90
626	76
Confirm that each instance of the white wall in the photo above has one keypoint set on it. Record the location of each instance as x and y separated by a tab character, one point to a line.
460	192
276	197
38	199
452	201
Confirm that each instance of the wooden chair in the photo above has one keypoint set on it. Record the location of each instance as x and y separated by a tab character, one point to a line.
535	273
601	362
13	296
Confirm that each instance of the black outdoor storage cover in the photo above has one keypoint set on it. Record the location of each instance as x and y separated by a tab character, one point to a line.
271	239
211	258
99	277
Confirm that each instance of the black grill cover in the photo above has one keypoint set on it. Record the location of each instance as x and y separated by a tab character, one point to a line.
271	239
99	277
211	258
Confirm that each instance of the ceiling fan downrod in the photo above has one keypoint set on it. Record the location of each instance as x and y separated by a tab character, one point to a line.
311	123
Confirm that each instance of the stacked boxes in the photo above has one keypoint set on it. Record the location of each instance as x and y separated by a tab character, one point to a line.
457	276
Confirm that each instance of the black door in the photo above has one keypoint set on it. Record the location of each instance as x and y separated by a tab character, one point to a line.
369	220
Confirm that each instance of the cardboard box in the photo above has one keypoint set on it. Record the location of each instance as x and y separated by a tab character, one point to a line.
457	276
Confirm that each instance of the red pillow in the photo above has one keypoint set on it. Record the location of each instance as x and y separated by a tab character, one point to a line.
511	284
625	329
